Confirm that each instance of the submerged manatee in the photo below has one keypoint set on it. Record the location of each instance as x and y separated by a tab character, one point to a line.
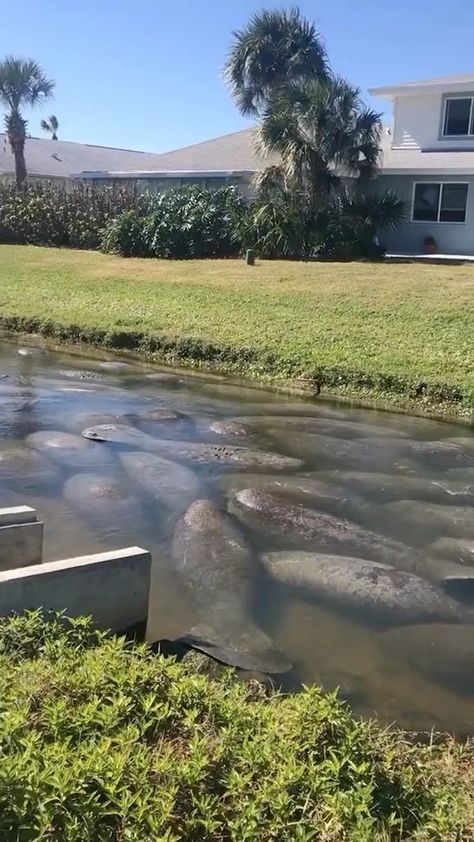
298	526
438	454
376	591
350	429
434	519
455	549
24	469
67	449
173	485
443	652
213	561
306	490
384	488
107	504
372	454
191	451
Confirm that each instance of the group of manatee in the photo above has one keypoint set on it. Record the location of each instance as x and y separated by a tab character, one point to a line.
245	509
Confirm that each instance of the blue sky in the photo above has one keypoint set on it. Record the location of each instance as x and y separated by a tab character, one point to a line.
147	74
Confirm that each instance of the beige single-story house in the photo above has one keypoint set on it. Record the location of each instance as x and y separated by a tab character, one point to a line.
427	158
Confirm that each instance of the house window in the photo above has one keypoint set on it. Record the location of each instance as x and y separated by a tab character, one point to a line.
459	117
435	202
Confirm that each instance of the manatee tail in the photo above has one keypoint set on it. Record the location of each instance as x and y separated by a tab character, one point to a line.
250	649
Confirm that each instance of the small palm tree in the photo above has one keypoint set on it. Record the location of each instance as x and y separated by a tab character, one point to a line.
322	132
51	126
274	49
23	84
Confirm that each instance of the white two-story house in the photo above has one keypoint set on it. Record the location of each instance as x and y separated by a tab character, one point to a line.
428	159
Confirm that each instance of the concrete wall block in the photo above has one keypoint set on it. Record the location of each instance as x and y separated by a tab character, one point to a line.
21	545
111	587
17	514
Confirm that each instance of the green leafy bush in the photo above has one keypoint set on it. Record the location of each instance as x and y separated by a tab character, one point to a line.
289	224
188	222
53	216
104	741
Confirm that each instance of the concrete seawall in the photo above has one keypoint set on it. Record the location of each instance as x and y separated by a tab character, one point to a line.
111	587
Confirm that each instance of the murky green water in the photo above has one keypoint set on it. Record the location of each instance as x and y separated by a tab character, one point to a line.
408	479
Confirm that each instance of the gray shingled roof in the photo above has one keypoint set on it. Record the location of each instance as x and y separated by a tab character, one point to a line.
63	158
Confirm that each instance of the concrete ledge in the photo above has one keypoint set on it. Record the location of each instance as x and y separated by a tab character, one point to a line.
16	515
21	537
113	588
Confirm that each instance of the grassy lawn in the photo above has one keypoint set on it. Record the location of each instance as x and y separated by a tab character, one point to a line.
107	742
392	323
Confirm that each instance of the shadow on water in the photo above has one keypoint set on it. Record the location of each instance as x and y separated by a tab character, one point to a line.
409	480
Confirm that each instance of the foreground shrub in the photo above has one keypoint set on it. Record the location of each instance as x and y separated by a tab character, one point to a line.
52	216
102	740
183	223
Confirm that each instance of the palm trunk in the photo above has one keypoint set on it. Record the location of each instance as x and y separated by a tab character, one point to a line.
18	147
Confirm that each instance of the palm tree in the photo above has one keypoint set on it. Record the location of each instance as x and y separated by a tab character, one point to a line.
51	126
273	49
23	84
322	133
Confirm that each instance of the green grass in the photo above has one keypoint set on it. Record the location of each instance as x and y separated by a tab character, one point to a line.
404	330
103	741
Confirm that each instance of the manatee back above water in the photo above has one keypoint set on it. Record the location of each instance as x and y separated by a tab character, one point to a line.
296	525
212	559
191	451
375	591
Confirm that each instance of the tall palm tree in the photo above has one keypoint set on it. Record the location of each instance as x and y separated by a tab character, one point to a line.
51	126
23	84
321	132
273	49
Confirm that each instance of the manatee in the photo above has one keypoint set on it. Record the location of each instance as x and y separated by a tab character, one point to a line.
173	485
440	651
107	504
302	489
24	469
388	487
213	561
236	429
114	365
433	519
438	453
372	454
299	526
31	351
164	377
375	591
350	429
456	549
190	451
465	442
67	449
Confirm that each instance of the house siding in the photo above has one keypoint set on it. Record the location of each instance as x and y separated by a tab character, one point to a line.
452	238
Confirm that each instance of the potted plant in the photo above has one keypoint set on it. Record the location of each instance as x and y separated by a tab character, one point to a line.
430	246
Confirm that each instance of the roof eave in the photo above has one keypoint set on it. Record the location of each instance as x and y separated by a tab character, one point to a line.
391	92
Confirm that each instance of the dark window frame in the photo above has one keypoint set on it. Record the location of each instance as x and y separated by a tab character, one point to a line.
441	185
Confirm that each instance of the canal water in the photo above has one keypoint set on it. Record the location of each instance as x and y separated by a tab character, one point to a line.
403	486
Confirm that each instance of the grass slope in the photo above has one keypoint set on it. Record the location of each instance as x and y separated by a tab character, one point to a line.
401	329
103	741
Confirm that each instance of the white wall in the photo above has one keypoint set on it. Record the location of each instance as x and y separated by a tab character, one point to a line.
418	124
